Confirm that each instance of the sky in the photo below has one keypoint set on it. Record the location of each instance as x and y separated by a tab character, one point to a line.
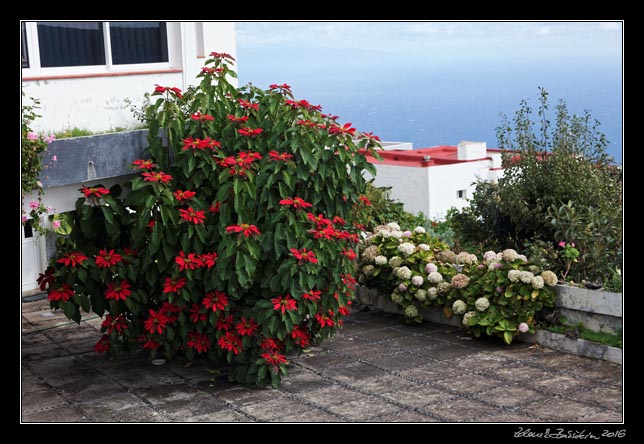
439	82
441	40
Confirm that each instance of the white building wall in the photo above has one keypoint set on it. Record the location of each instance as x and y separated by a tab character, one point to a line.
408	184
446	180
96	103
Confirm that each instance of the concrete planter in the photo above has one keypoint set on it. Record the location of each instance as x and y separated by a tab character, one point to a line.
90	158
598	308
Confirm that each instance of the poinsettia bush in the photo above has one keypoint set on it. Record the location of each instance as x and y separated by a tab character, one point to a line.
236	242
498	294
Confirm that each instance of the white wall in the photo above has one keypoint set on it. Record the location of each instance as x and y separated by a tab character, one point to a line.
446	180
96	103
409	185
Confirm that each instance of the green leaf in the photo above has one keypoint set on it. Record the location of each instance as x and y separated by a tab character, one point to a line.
507	337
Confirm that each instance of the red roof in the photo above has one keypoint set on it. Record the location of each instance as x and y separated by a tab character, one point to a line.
438	155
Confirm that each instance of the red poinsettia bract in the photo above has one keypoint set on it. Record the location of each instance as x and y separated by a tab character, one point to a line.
230	342
189	262
118	290
156	323
312	295
158	176
284	303
215	300
284	157
250	132
94	191
184	195
192	215
144	164
103	345
349	254
105	259
304	255
296	202
161	89
118	323
62	293
246	229
246	327
198	342
73	259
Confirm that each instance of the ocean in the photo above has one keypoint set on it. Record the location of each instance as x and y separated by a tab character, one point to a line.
433	103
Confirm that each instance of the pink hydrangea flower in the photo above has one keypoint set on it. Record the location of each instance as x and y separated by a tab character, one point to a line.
402	287
407	233
24	218
430	268
56	224
33	205
50	138
523	327
32	136
562	244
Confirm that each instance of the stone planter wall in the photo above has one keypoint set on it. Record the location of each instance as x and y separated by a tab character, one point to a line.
597	310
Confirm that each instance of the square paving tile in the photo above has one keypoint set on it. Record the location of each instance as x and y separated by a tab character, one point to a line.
197	404
274	409
603	417
42	400
363	409
469	384
446	352
240	396
413	342
320	361
59	414
515	372
608	397
398	361
353	372
328	395
556	409
510	396
227	416
558	384
383	334
385	384
483	362
433	372
310	416
420	396
146	377
404	416
167	393
56	365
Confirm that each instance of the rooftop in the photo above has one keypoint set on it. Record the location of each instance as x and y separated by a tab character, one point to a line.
427	157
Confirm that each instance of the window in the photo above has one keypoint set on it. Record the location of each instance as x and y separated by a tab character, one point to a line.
23	47
461	194
93	47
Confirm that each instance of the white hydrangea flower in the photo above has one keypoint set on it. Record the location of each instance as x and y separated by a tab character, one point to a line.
395	262
435	277
406	248
417	281
533	269
466	318
537	282
383	233
549	278
526	277
419	230
423	247
523	258
430	268
489	255
459	307
396	234
396	297
466	258
460	281
403	273
510	255
432	293
421	295
494	264
513	275
380	260
368	270
393	226
411	311
482	304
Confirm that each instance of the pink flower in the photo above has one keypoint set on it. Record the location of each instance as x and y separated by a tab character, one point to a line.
50	210
430	268
54	158
402	287
572	244
50	138
24	218
32	136
523	327
407	233
33	205
562	244
56	224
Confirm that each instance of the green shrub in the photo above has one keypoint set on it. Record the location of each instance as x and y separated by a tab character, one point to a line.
235	242
546	167
498	295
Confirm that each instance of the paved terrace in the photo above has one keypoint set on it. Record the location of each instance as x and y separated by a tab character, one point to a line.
376	370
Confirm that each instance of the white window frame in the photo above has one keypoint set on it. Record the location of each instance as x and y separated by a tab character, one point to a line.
35	70
463	191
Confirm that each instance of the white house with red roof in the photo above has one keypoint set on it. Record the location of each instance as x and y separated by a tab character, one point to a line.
433	180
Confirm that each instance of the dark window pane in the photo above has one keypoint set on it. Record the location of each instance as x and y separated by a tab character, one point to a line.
138	42
71	44
23	47
29	231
